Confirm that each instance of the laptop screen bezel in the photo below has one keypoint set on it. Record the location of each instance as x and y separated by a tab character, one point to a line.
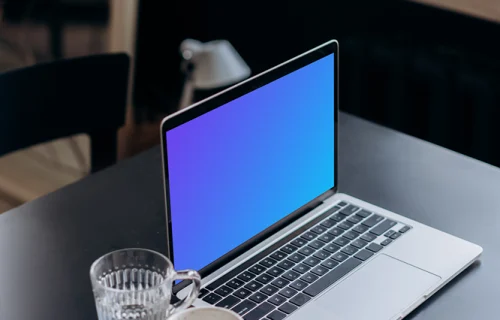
221	99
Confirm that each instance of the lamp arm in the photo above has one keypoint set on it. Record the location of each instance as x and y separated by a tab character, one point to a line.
188	87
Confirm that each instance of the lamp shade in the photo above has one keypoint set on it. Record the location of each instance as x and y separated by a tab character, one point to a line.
215	63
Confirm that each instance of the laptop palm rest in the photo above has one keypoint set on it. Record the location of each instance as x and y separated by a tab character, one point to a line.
380	290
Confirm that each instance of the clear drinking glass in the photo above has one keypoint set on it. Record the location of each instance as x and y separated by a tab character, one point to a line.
137	284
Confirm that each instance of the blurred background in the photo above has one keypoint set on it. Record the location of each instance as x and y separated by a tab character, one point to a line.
428	68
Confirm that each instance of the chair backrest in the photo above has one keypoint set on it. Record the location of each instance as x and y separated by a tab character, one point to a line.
64	98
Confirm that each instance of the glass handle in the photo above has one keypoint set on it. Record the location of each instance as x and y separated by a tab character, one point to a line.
195	289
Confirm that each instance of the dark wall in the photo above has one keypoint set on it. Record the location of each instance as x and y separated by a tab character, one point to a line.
426	72
43	11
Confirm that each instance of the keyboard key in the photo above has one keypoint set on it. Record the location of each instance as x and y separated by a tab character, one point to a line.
276	315
301	268
389	233
257	269
275	271
299	242
358	243
332	277
306	251
228	302
342	204
339	256
244	307
242	293
309	236
322	254
212	298
350	250
288	292
258	297
395	235
354	219
309	277
363	255
328	223
330	264
404	229
254	286
299	285
300	299
277	300
223	291
278	255
246	276
268	262
270	289
291	275
264	278
373	220
351	235
331	248
318	229
341	242
336	232
346	225
280	282
368	237
259	312
320	270
217	283
296	257
386	242
333	210
374	247
228	276
286	264
203	292
383	227
287	308
360	228
312	262
288	248
363	213
350	209
326	237
337	217
235	283
316	244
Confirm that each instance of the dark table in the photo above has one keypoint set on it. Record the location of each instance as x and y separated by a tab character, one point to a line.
47	245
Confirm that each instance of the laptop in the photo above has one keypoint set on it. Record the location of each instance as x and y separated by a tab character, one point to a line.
252	203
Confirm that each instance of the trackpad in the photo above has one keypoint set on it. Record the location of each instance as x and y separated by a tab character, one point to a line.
380	290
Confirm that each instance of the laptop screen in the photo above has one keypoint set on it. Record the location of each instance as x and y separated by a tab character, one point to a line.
242	167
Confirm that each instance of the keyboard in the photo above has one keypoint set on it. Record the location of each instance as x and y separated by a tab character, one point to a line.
292	271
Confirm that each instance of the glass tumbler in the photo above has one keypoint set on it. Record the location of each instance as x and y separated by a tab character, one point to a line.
137	284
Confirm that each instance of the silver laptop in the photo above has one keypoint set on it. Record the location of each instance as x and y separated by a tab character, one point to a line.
252	203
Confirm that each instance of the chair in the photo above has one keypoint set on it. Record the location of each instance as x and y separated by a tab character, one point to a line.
64	98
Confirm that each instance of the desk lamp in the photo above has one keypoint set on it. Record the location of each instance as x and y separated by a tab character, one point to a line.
208	66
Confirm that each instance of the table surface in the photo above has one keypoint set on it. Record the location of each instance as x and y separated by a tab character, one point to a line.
482	9
48	245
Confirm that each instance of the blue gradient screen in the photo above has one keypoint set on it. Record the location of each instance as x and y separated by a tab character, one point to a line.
240	168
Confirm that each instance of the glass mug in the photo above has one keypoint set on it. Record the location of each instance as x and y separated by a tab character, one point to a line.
137	284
